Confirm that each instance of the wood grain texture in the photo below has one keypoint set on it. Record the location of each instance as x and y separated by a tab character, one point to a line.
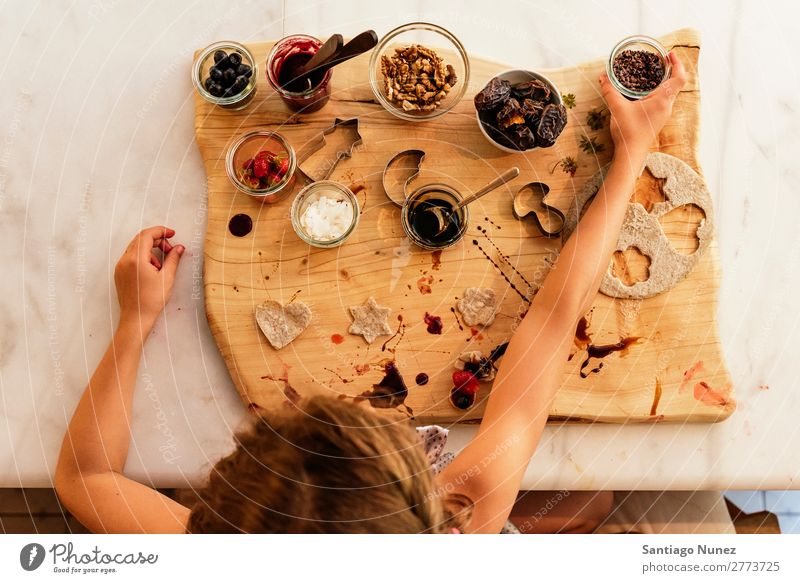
678	329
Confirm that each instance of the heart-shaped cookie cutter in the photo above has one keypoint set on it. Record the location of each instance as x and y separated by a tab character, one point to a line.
415	157
319	142
534	203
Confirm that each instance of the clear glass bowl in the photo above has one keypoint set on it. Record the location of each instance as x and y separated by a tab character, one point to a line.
514	77
637	43
202	65
313	192
430	192
434	37
247	147
314	97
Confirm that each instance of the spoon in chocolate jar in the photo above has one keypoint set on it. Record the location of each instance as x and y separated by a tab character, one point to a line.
443	215
358	45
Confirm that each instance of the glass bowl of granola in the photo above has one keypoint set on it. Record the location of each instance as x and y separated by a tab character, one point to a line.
419	71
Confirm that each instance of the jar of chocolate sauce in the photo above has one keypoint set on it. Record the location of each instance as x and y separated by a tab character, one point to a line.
421	225
306	93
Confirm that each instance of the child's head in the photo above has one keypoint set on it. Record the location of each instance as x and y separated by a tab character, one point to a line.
326	466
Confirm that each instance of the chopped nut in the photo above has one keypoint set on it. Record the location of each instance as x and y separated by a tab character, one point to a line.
416	78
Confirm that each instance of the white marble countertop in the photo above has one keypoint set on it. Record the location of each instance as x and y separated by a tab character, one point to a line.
96	141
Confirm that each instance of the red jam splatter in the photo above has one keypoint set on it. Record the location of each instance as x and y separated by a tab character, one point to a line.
434	323
424	284
337	338
689	374
476	334
709	396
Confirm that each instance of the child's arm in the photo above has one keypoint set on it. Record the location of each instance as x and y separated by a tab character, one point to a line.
489	470
89	478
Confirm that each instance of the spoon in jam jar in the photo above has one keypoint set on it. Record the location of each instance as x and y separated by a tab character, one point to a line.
443	215
333	53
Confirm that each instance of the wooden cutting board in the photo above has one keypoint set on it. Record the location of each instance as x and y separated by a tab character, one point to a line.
657	379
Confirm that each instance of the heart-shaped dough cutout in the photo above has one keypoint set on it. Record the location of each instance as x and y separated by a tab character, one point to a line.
282	324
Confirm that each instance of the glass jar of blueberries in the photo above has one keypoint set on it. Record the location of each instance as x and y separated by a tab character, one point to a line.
225	74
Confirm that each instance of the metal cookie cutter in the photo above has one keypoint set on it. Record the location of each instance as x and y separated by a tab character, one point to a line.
319	142
530	199
399	172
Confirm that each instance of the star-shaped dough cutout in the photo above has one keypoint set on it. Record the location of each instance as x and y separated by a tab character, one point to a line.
370	320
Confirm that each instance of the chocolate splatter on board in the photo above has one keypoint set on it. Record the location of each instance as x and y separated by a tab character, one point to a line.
389	393
505	258
436	259
603	350
510	283
399	334
458	321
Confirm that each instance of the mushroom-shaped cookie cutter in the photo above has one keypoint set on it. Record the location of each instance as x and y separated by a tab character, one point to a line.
319	141
399	173
530	200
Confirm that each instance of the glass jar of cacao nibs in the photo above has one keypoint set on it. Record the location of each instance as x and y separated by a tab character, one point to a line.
637	66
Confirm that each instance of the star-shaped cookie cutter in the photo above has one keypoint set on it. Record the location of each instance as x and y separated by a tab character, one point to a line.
531	204
319	142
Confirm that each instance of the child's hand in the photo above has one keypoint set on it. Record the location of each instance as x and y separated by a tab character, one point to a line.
635	125
143	283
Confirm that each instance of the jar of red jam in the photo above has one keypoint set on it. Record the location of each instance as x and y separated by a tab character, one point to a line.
287	56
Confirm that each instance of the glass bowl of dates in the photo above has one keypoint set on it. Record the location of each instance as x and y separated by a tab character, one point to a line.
419	71
519	111
637	66
262	164
225	74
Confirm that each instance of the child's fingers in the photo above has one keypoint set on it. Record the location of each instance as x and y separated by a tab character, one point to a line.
154	261
613	97
146	240
677	80
162	244
172	259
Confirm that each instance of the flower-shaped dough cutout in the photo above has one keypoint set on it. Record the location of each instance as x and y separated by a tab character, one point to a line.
478	306
642	229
